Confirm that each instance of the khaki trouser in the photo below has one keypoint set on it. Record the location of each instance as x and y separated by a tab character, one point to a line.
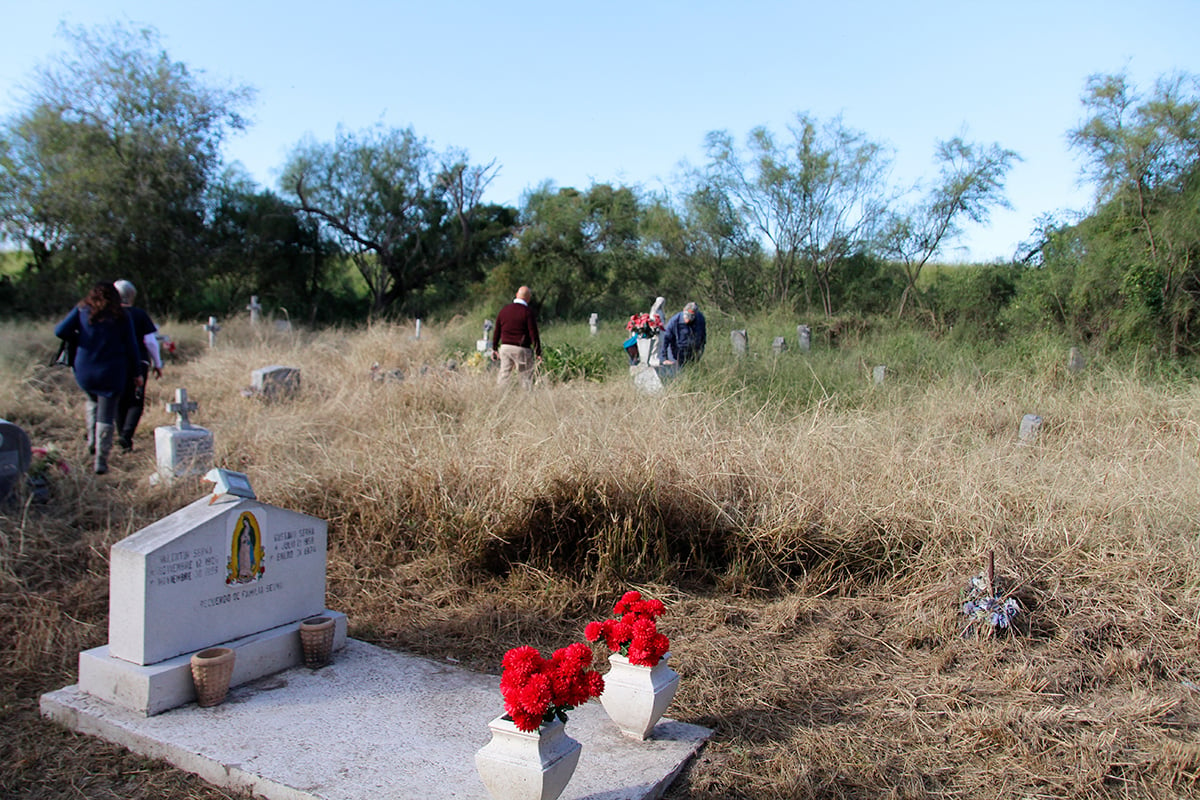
518	358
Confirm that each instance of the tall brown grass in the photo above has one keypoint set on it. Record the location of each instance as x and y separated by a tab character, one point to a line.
812	560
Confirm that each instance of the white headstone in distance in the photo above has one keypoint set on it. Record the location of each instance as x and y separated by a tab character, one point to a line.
1031	424
804	335
879	373
182	449
228	571
779	345
276	382
418	334
593	322
741	342
16	454
212	327
255	308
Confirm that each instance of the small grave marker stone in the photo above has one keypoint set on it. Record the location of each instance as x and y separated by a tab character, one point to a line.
182	449
879	373
485	344
1075	362
741	342
255	308
275	382
1031	426
418	333
212	327
646	379
593	322
804	336
779	345
16	454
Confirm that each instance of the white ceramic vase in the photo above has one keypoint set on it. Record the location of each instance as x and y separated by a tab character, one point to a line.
636	697
527	765
644	346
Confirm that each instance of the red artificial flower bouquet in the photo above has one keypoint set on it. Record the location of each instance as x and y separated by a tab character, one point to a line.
537	690
644	325
633	630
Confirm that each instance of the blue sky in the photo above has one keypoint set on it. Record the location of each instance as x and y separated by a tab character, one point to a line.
625	92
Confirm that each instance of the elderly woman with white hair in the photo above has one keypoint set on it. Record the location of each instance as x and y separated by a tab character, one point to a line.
133	399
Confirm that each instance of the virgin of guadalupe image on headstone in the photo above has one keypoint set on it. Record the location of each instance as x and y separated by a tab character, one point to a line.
246	551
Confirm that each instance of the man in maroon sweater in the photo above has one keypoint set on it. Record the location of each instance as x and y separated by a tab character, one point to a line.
515	339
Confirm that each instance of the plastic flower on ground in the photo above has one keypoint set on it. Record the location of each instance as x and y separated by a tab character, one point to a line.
632	630
538	690
986	610
643	325
46	461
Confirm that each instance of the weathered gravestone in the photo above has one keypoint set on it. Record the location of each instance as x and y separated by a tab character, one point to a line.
879	373
741	342
16	454
1031	425
276	382
224	570
485	344
182	449
593	322
804	336
778	345
1075	362
646	379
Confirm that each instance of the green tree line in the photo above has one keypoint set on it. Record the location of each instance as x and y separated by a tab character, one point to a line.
113	168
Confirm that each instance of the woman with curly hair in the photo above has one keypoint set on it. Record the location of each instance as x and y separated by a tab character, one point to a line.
106	355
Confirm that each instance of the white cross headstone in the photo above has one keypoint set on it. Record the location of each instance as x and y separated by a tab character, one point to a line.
485	344
276	382
16	454
182	449
418	334
255	308
237	573
879	374
741	342
804	335
212	327
592	323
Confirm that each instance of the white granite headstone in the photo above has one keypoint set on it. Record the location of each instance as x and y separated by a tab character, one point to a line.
1075	362
593	322
276	382
255	308
879	373
804	336
1031	424
778	345
211	328
182	449
741	342
16	454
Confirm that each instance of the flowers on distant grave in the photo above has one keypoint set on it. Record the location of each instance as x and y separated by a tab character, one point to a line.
47	461
985	610
632	630
644	326
538	690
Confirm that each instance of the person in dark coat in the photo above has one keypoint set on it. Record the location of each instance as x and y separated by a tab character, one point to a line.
105	356
516	342
684	337
133	399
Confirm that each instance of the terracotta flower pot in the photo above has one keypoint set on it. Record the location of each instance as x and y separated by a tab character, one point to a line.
212	670
527	765
636	697
316	640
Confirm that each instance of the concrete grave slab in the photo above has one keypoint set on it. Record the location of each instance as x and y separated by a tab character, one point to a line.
374	723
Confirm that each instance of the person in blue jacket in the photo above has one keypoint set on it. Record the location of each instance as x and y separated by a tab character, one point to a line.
106	355
684	337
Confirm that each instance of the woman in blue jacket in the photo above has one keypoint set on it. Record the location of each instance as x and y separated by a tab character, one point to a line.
106	354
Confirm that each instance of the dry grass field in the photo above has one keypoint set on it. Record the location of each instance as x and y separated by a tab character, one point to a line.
812	555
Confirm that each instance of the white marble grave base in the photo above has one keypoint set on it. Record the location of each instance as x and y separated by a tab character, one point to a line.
154	688
182	451
375	723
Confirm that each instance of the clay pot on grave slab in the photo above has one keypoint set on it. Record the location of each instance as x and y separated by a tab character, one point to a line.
635	696
316	640
527	765
212	670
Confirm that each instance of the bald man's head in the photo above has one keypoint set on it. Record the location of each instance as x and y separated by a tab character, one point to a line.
524	293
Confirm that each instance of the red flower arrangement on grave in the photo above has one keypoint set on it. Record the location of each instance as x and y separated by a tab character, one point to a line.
644	325
537	690
632	630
